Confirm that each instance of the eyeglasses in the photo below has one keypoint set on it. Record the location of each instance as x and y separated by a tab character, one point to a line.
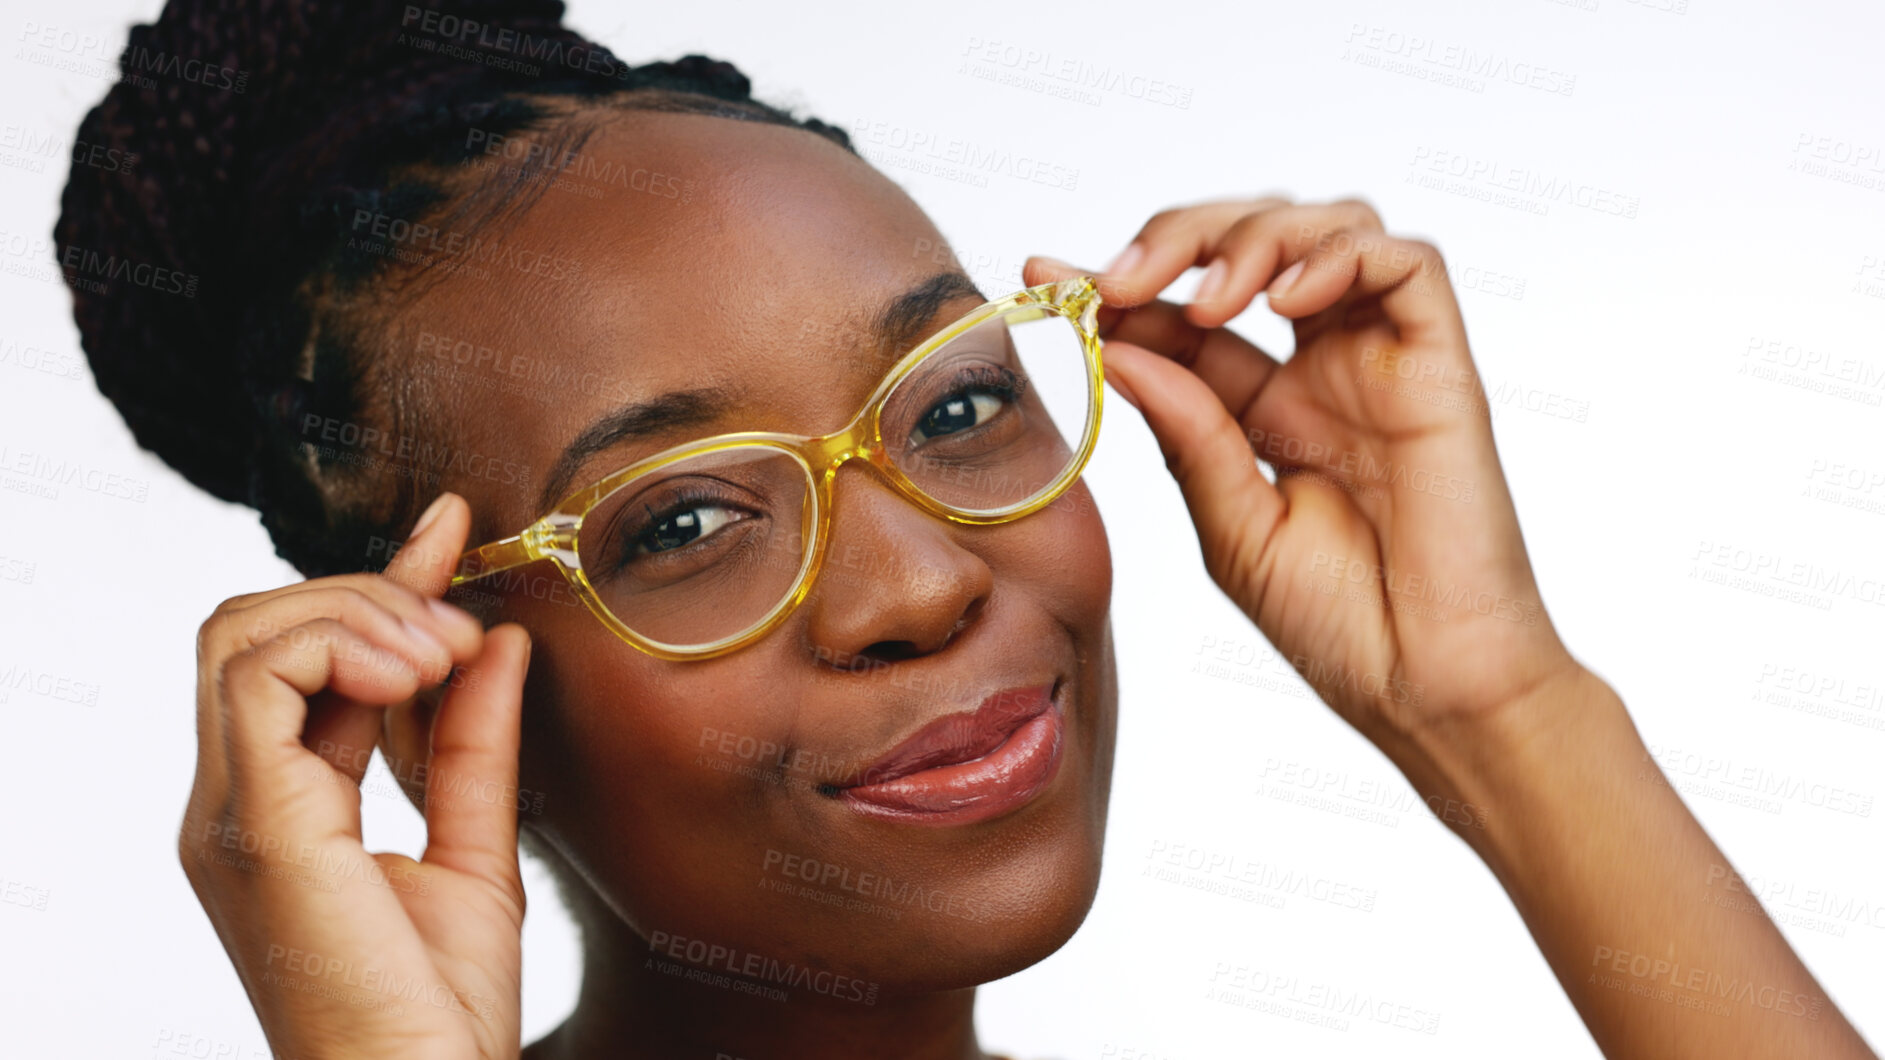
703	548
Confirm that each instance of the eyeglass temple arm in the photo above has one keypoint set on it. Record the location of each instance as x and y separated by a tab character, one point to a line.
492	558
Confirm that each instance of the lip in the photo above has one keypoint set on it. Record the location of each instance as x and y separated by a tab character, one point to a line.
971	766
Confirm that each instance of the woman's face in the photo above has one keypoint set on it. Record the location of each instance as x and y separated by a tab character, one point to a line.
698	800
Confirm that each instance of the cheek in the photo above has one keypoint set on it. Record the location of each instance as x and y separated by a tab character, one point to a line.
1074	576
1071	563
658	783
637	741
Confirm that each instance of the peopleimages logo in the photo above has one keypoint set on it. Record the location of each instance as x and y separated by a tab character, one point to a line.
179	68
459	33
973	159
91	268
1075	72
1422	53
423	244
362	446
714	957
872	885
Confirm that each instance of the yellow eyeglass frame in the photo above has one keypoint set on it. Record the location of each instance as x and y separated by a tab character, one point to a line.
554	536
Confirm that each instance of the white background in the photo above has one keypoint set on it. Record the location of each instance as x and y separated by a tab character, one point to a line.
1749	139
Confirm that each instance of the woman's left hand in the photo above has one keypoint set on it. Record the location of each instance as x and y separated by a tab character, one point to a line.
1386	561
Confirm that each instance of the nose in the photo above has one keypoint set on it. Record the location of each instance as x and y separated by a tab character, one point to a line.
896	583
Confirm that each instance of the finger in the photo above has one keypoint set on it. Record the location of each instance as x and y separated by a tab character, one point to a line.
405	739
387	612
1171	242
429	557
342	732
1176	240
264	693
1246	257
369	601
471	782
390	616
1207	453
1235	368
1407	276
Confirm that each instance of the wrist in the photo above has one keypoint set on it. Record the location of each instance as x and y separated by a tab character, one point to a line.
1504	773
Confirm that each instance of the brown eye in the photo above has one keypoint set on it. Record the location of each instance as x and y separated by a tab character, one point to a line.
980	400
682	526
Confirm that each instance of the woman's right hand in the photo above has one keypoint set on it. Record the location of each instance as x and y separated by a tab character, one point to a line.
344	952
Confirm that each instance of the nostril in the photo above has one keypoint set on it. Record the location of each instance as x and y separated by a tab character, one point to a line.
892	650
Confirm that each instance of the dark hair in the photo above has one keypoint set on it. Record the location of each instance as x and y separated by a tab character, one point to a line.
211	284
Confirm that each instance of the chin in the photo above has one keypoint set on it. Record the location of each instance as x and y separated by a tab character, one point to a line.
1021	911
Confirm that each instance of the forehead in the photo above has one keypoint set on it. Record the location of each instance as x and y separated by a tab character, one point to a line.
740	220
676	251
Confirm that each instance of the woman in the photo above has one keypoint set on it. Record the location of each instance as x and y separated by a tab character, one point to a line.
896	714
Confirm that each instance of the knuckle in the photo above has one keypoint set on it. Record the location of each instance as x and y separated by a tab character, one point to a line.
188	858
1425	254
193	850
1311	229
351	599
235	603
209	636
1363	211
1249	230
1163	221
1326	243
1351	241
378	590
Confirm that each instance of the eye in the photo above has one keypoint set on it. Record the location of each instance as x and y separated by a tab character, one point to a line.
679	525
982	392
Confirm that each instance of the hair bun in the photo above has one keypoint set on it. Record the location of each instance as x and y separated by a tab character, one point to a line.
701	72
231	107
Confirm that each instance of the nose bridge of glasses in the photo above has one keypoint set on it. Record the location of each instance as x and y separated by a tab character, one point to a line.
829	452
858	441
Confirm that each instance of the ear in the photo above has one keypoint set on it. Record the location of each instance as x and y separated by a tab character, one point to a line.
406	742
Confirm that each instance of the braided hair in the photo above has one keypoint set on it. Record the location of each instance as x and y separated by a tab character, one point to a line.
261	127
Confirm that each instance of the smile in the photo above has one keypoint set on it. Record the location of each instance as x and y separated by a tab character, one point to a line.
968	767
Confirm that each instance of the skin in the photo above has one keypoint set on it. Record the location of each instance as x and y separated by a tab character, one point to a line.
966	610
297	683
876	651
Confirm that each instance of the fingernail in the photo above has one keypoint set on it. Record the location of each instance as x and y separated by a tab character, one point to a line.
1126	260
430	515
1281	285
1213	280
1056	263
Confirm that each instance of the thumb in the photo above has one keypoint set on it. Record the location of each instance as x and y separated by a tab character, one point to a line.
429	557
471	796
1233	507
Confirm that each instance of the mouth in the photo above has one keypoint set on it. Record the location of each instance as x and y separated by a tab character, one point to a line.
967	767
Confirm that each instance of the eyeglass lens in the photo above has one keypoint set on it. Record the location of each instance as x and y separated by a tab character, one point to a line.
706	547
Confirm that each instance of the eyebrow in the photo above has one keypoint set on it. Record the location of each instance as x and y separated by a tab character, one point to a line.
898	325
905	320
